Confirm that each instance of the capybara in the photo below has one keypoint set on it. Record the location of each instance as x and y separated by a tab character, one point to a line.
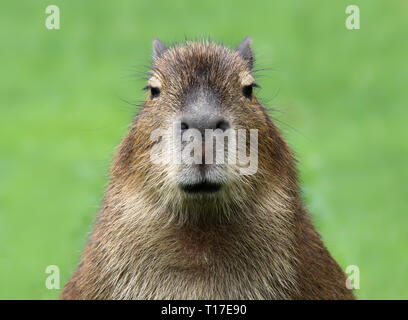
176	230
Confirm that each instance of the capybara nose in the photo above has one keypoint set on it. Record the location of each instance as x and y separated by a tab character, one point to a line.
202	121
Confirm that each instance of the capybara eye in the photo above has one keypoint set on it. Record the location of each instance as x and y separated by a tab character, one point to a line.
247	91
155	92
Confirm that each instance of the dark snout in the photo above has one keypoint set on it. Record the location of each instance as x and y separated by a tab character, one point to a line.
203	114
202	111
203	117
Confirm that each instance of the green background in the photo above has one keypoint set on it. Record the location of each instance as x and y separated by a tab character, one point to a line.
339	96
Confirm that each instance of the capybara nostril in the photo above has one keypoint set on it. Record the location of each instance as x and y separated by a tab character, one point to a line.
223	125
203	120
184	126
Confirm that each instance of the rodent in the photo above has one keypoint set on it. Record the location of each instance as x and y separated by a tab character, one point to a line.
177	231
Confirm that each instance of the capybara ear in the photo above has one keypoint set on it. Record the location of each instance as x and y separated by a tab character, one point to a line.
245	51
158	48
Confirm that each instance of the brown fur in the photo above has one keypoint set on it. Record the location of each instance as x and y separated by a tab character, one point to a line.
255	242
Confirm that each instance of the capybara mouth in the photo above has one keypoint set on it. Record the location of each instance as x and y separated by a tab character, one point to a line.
201	187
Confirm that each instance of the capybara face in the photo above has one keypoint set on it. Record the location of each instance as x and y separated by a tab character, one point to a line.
197	134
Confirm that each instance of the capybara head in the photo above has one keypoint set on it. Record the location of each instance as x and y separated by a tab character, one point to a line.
202	147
